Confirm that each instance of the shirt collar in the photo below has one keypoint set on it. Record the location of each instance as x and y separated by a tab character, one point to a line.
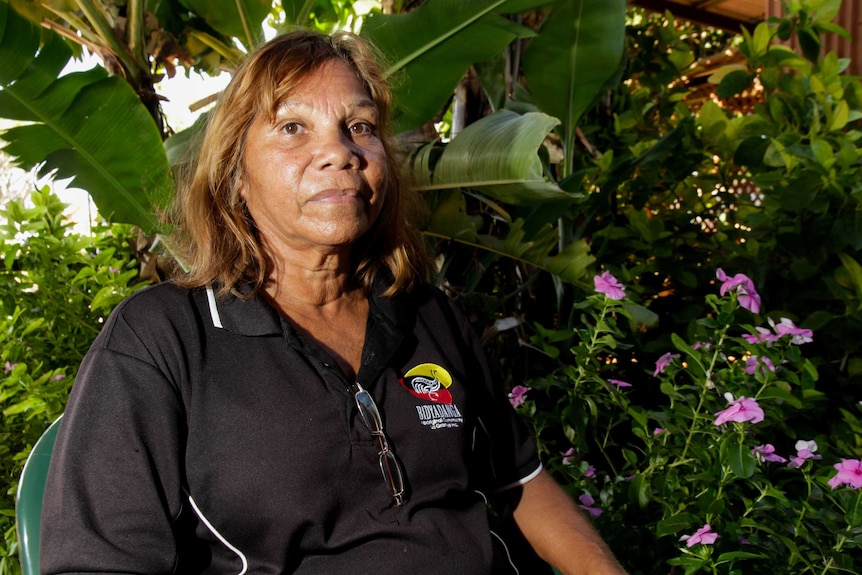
251	317
255	317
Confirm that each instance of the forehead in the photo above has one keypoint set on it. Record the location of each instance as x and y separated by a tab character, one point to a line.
333	82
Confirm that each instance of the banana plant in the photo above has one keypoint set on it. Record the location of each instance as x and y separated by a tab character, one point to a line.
578	52
86	126
430	48
497	161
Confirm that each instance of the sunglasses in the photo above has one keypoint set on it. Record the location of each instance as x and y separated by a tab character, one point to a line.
389	466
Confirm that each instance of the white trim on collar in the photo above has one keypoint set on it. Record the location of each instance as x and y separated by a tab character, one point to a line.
214	308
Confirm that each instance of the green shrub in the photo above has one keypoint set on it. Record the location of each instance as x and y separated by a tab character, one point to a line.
700	463
56	288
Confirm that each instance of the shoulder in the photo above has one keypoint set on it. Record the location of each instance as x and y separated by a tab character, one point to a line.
157	305
440	313
161	297
159	311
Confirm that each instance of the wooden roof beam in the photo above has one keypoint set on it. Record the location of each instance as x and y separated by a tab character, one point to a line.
694	14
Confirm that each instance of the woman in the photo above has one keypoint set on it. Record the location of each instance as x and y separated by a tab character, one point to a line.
299	401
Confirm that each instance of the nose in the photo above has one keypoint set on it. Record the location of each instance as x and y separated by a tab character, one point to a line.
336	150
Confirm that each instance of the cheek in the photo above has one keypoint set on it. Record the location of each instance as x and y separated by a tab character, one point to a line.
378	174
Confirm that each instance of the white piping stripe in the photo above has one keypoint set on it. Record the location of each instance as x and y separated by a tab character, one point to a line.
213	309
521	481
220	537
500	539
506	549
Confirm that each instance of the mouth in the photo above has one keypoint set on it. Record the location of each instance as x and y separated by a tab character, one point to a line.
338	195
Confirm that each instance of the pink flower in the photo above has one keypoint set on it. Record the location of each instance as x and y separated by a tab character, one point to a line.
567	455
58	377
587	502
804	450
703	535
752	363
740	410
9	367
787	327
657	430
619	383
590	472
742	285
806	445
767	453
849	473
518	395
662	363
701	344
609	286
762	335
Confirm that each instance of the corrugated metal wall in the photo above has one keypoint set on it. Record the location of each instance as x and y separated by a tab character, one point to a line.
850	18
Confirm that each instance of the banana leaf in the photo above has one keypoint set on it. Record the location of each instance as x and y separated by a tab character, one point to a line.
430	49
496	156
579	48
238	18
85	126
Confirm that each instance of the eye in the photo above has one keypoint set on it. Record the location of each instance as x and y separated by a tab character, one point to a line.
291	128
363	129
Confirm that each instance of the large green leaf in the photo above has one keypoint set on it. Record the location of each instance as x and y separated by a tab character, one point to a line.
87	126
430	48
578	50
239	18
496	156
449	217
571	264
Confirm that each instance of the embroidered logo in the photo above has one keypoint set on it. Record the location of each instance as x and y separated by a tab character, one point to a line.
430	382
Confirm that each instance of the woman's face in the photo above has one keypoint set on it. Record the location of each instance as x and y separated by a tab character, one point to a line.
313	177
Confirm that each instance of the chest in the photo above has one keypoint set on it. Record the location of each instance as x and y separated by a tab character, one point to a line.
275	442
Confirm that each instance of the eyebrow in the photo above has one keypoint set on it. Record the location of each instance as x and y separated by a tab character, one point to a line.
364	103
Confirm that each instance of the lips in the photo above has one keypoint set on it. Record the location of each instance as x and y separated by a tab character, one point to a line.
340	195
335	193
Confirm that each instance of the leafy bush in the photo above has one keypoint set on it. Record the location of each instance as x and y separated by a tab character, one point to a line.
702	466
56	287
762	177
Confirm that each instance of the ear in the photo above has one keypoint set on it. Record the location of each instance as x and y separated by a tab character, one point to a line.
243	187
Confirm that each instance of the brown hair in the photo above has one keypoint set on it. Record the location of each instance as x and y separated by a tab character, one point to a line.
215	237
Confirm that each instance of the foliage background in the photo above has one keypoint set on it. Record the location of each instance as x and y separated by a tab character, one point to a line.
552	139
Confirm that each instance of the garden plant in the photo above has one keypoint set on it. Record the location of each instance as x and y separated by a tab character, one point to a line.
701	465
56	288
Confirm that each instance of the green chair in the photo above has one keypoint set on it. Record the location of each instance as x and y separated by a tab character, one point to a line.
28	503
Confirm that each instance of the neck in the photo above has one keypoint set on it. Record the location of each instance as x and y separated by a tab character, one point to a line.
311	279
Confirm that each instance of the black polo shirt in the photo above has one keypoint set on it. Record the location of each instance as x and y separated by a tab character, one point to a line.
205	435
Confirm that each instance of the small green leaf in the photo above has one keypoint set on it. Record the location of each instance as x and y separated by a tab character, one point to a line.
740	460
760	41
676	523
640	491
853	516
840	116
774	392
734	83
698	368
733	555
